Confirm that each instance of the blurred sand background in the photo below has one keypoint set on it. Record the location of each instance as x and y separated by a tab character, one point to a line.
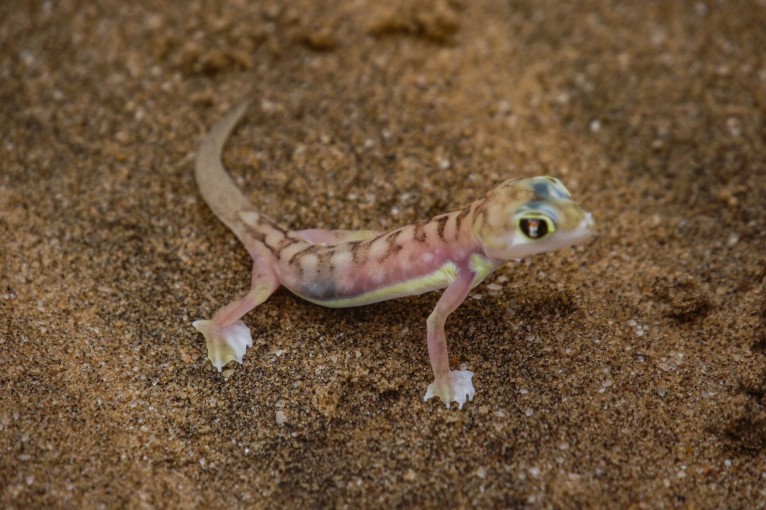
630	373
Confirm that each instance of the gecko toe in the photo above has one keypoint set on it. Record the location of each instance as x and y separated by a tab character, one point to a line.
455	386
225	343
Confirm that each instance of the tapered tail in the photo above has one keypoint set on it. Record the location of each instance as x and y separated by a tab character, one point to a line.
216	186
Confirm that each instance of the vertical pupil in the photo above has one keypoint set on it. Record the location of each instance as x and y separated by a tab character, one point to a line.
534	228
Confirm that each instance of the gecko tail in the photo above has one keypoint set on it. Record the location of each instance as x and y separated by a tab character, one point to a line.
218	189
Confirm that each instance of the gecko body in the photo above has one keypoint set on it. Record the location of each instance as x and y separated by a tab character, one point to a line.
344	268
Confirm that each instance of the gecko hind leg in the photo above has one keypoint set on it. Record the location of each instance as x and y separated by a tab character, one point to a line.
227	337
320	236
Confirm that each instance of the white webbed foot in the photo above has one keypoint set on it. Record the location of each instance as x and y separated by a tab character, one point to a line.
454	386
224	344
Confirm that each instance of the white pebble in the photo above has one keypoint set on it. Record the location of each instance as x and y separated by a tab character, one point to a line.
281	417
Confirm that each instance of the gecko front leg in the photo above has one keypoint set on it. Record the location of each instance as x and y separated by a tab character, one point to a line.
227	337
450	386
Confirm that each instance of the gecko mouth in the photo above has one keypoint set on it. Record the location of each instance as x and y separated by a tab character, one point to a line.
584	233
588	225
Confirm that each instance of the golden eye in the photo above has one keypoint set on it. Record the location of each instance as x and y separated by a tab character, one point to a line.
536	226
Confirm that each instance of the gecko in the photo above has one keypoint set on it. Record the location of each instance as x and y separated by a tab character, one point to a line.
344	268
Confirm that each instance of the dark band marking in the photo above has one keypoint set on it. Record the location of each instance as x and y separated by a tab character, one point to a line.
392	246
480	211
256	229
325	261
459	218
256	234
262	219
359	251
284	243
299	254
420	235
441	222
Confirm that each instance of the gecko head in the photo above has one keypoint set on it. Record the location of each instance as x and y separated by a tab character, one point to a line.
523	217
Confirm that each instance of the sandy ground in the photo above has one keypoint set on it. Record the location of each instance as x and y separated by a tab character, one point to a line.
630	373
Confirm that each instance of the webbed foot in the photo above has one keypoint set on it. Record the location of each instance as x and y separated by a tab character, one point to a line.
453	386
224	344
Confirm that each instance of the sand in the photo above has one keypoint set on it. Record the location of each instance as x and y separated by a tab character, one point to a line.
629	373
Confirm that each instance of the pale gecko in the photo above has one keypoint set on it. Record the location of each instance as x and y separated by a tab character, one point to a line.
344	268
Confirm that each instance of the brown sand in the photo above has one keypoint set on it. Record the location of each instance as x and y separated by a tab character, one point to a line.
628	373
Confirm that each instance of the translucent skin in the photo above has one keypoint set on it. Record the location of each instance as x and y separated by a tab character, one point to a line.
342	268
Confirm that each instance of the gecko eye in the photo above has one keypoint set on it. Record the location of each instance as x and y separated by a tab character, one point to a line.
536	226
